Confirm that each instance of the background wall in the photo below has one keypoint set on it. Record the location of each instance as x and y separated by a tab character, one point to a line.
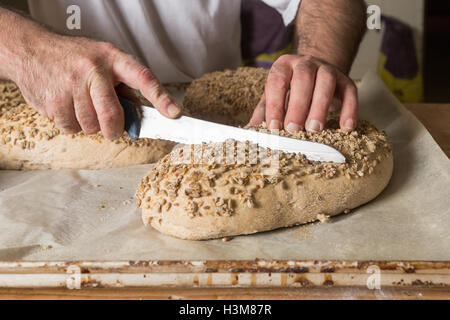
18	4
436	50
408	11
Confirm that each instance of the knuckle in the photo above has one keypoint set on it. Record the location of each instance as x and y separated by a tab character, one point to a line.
109	50
277	81
87	63
280	69
109	115
107	46
307	58
305	66
328	72
305	71
284	58
57	108
88	122
160	97
74	79
127	61
157	93
146	76
101	98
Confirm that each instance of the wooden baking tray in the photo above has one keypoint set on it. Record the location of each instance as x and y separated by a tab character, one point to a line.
270	276
224	274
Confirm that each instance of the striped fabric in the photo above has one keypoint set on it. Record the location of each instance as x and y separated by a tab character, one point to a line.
264	35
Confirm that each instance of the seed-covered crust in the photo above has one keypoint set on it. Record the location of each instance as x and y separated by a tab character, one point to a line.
30	141
212	199
227	97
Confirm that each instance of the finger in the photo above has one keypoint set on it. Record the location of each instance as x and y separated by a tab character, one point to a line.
277	86
129	71
259	113
349	95
106	104
85	112
128	93
63	114
302	86
323	95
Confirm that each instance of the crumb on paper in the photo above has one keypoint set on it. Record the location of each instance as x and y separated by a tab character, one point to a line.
323	218
114	204
102	205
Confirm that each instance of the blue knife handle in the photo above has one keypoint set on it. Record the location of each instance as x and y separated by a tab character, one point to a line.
132	119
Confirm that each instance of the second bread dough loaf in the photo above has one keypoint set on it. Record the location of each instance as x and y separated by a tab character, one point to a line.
30	141
227	97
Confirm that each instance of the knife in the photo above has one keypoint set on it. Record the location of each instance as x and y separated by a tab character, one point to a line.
149	123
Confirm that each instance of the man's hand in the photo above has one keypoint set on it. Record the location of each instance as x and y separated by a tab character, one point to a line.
72	80
301	88
299	91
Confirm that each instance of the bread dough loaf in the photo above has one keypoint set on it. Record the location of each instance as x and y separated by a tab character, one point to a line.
227	97
204	201
30	141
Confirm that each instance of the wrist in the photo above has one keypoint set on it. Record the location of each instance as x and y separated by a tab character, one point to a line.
340	62
21	40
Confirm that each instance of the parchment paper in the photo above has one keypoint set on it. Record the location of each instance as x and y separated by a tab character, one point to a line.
92	215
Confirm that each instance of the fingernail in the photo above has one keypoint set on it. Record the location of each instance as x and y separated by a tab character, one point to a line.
293	127
173	110
349	124
314	126
274	124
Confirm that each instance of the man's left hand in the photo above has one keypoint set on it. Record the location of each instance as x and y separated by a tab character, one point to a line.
298	94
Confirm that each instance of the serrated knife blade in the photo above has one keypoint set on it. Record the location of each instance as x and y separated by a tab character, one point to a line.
187	130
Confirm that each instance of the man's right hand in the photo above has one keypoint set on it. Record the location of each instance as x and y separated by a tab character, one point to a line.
71	81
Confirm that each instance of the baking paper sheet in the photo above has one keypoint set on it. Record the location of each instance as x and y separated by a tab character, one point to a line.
91	215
